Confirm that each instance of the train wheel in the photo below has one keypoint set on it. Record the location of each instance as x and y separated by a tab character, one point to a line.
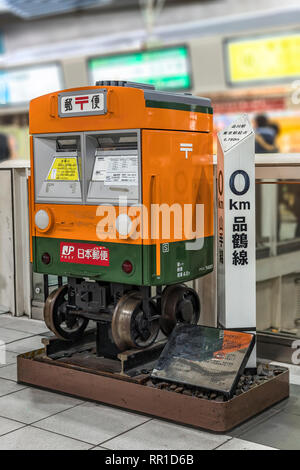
67	327
130	326
180	304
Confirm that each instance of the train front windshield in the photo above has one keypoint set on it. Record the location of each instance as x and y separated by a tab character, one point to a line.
87	168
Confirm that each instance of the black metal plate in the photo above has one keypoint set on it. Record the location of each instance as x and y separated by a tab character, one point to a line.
207	358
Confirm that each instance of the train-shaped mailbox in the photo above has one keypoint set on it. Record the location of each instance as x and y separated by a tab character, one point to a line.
121	206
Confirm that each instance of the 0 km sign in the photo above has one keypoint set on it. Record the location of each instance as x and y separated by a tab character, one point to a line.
236	227
232	184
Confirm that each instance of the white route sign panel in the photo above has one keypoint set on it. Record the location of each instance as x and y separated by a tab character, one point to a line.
235	133
84	103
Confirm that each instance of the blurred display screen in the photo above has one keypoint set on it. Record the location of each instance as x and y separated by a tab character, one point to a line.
167	69
263	59
18	86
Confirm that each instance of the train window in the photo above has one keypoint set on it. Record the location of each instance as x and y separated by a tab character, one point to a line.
58	168
65	144
117	141
113	168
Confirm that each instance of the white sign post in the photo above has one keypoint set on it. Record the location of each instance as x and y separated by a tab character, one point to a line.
236	277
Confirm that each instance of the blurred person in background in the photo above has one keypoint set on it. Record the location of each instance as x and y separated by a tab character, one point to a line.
7	148
265	135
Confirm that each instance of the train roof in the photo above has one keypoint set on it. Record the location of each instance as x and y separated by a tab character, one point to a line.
123	105
150	93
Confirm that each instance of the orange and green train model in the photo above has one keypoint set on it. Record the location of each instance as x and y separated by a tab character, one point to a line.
121	205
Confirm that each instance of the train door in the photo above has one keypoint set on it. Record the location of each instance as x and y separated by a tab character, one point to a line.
177	176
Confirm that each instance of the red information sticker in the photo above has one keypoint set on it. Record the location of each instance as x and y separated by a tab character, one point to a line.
84	253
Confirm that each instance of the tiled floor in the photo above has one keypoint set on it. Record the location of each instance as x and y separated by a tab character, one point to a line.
36	419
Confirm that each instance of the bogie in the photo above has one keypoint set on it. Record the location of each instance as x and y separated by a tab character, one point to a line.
122	206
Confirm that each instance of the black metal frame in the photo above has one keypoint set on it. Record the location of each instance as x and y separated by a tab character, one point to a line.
96	300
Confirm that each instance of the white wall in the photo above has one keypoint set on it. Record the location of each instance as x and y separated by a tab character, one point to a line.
7	268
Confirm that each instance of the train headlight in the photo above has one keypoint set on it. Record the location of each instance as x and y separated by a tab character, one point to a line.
123	224
42	219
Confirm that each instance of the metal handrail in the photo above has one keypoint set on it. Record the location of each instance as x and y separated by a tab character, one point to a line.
17	163
272	166
275	159
268	160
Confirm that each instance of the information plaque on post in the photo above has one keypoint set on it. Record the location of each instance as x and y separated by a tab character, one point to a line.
236	276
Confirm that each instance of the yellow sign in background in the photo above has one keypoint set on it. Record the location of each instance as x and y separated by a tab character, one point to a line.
268	58
64	169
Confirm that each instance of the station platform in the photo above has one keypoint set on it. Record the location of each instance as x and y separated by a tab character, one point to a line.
32	418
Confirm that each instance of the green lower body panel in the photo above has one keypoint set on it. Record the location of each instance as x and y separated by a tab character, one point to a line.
118	253
179	262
